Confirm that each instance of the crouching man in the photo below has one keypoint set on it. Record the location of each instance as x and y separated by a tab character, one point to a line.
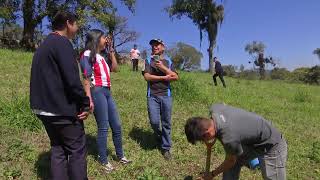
244	136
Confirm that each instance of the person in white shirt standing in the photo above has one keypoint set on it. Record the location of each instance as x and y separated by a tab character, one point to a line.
134	55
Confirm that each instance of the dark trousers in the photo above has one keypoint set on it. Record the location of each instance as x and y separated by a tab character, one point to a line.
135	64
68	147
221	78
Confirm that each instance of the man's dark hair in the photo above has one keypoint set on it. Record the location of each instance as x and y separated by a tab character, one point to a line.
195	129
59	21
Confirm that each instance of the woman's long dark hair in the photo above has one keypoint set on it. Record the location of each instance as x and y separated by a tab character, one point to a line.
92	43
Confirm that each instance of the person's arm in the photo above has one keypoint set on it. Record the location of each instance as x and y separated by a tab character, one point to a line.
173	75
86	73
109	44
67	63
114	67
228	163
150	77
86	86
233	151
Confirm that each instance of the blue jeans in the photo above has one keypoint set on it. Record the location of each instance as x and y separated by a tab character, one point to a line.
105	113
159	109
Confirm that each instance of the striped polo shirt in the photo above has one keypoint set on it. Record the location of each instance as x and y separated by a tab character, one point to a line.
99	72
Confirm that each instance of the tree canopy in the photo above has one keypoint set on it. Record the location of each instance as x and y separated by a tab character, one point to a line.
185	56
206	14
101	12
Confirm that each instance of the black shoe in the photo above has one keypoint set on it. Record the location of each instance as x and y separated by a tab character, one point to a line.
167	155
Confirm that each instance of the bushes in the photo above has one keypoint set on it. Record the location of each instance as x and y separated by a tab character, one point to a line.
280	73
313	76
185	89
303	74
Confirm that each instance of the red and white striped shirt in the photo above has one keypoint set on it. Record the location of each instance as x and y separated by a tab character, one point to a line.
99	72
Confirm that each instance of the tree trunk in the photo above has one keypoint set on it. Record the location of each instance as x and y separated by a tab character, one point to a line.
3	29
28	37
29	24
210	57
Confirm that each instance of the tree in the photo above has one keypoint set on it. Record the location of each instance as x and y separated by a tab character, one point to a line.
280	73
144	54
317	52
206	14
185	57
121	34
8	15
33	13
241	68
313	75
256	49
87	11
230	70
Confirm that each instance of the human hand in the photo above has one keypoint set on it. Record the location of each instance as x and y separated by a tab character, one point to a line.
209	144
109	41
91	106
205	176
166	78
159	64
83	115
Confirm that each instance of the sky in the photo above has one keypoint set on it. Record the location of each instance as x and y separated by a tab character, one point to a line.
290	29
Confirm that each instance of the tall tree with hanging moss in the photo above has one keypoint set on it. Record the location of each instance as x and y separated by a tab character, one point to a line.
206	14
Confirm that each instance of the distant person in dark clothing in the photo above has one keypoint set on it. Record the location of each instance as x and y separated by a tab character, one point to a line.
58	99
218	72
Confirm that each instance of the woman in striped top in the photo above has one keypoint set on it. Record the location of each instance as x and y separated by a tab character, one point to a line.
96	73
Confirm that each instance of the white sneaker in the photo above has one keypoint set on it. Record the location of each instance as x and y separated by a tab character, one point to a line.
108	167
124	160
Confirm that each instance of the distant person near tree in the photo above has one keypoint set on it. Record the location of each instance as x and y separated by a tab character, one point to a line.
134	55
218	72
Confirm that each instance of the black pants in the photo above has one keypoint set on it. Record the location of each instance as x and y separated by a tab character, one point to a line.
135	64
221	78
68	147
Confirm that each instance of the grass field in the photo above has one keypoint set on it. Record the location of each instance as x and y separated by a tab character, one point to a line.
24	146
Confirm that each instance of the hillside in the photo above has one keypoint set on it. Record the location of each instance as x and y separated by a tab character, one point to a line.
293	108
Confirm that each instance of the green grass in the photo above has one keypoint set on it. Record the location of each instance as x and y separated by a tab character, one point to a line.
24	146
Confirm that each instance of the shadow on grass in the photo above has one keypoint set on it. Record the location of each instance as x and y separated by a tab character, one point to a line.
93	148
42	166
144	138
188	178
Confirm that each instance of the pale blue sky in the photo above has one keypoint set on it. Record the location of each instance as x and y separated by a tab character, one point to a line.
289	28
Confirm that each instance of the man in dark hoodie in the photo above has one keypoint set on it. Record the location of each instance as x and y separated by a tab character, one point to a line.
58	99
